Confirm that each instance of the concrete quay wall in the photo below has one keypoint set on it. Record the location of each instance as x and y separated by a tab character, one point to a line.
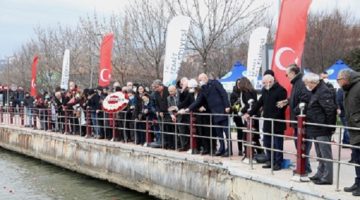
160	173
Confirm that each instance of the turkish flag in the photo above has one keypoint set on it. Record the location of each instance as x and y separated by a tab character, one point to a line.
33	76
105	60
289	42
290	38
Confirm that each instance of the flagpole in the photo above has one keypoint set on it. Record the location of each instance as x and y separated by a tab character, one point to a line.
97	35
8	78
8	81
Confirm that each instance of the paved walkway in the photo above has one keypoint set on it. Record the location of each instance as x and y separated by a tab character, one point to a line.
283	177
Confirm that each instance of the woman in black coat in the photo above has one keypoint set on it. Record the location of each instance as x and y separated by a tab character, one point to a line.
243	91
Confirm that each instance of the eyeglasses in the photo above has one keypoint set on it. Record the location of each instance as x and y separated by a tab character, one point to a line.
339	79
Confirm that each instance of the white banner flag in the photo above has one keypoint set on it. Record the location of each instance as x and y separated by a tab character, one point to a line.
176	39
255	54
65	70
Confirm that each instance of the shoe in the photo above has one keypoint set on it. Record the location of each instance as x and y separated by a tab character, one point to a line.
351	161
322	182
181	149
240	153
204	152
226	154
351	188
276	167
356	192
266	166
314	178
219	153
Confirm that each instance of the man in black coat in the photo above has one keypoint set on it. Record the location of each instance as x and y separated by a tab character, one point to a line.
28	106
299	94
321	109
271	94
349	81
185	100
161	106
94	107
214	94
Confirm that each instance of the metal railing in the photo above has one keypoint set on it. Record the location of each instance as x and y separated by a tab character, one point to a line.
161	132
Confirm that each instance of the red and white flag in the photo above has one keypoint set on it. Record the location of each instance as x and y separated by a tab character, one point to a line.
33	76
290	38
105	60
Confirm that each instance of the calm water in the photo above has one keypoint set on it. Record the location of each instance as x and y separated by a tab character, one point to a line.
27	178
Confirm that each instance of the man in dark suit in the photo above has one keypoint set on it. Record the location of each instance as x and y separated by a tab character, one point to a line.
213	93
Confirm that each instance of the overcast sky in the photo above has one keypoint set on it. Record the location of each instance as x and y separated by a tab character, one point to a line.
19	17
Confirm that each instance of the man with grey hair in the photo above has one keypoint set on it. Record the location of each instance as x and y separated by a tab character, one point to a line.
349	81
271	94
161	107
321	109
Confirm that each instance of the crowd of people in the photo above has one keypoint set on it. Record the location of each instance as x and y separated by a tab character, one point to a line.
168	108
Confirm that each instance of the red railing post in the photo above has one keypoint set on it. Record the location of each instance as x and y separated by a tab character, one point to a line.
300	174
34	115
11	113
22	120
88	128
113	116
148	136
1	115
66	122
193	144
300	171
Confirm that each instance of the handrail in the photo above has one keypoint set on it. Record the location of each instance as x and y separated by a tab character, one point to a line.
153	131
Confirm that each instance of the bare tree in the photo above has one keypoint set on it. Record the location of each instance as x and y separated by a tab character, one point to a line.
148	21
213	20
330	36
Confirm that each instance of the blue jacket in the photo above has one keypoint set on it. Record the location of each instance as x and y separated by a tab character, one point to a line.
150	114
214	94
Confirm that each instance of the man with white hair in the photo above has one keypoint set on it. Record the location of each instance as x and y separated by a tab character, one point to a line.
271	93
321	109
185	100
